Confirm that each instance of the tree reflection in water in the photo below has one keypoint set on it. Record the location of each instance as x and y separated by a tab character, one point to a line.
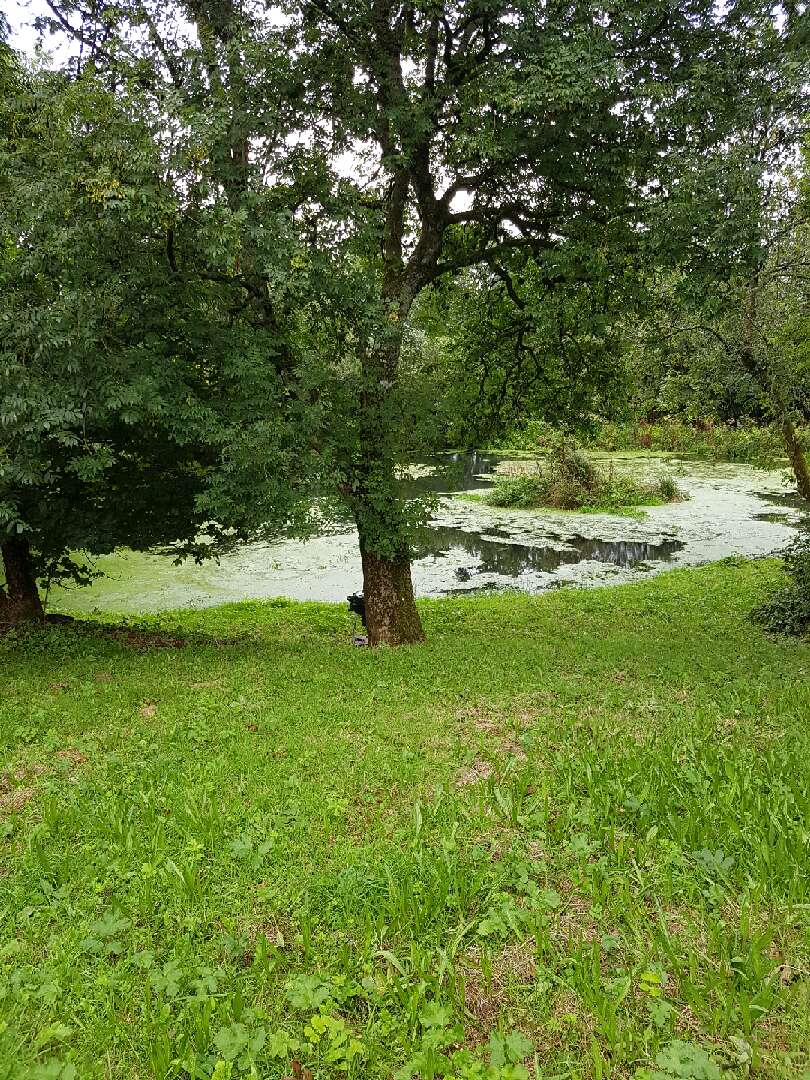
496	556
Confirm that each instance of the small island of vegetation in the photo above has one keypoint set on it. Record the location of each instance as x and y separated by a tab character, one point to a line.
569	480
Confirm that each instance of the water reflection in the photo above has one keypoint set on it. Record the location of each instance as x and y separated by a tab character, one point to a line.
452	472
790	499
510	559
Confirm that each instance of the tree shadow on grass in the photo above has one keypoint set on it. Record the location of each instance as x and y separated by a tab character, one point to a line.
61	628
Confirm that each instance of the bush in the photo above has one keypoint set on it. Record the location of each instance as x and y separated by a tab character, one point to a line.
787	611
571	481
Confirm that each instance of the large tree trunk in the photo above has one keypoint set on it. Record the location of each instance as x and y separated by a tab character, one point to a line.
391	615
798	461
19	601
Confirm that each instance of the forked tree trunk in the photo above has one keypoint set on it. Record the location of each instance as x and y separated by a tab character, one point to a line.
19	600
391	615
798	461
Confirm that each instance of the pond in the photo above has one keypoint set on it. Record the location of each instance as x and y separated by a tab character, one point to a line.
731	510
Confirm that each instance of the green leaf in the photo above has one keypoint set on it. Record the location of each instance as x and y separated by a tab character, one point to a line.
687	1061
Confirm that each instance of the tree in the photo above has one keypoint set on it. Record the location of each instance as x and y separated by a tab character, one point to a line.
408	142
727	305
119	375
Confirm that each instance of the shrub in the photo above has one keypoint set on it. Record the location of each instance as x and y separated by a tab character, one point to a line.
571	481
669	490
787	610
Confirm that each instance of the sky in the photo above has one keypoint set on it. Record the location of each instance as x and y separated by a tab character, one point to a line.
20	15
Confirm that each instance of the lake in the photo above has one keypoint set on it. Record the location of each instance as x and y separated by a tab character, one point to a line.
732	510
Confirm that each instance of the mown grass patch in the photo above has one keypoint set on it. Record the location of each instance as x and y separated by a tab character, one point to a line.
566	837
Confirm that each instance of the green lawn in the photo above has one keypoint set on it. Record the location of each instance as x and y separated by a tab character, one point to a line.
567	835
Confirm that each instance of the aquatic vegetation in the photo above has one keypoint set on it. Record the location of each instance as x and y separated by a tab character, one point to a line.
569	480
584	855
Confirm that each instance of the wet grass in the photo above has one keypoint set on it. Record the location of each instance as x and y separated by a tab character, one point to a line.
567	837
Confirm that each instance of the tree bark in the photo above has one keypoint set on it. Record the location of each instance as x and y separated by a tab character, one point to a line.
798	461
20	600
391	615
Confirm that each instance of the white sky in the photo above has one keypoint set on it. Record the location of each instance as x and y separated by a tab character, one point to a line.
20	15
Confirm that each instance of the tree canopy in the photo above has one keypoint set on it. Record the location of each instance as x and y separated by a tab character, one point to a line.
121	377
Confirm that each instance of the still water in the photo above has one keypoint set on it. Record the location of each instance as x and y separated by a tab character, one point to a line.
731	510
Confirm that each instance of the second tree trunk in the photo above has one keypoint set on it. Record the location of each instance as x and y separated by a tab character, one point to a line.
19	600
797	459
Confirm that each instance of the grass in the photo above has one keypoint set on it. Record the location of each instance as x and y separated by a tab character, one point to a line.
567	837
569	480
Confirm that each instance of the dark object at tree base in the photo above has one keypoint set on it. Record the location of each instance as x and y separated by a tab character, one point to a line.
58	618
357	606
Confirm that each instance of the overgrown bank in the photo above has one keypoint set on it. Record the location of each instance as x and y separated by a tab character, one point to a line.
580	855
569	480
753	444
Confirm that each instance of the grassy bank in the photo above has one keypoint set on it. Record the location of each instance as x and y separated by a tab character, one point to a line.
760	445
568	836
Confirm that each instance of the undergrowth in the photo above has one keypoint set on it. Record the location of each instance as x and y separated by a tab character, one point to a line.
787	609
753	444
569	480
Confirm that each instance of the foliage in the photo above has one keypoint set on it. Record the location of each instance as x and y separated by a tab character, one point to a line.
787	610
713	330
724	334
682	1060
755	444
666	317
543	340
280	857
569	480
345	159
130	390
